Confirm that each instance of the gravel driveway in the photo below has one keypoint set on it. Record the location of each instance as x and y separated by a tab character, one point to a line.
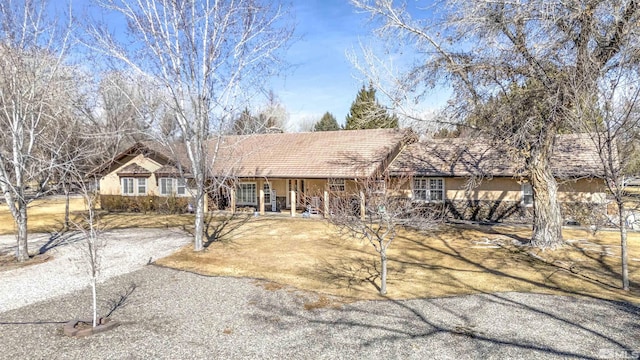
124	251
169	314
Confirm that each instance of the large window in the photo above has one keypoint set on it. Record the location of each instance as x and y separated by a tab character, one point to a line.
246	194
527	194
127	186
336	185
133	186
428	189
166	186
173	186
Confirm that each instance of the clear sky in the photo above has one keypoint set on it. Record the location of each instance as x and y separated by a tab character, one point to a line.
321	77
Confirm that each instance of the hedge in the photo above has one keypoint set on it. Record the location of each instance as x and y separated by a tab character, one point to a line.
144	204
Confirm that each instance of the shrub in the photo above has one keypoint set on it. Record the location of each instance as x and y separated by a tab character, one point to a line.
144	204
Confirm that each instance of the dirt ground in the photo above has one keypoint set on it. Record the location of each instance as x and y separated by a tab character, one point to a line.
309	254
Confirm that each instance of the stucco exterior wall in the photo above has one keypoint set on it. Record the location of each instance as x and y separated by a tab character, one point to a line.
110	183
509	189
496	189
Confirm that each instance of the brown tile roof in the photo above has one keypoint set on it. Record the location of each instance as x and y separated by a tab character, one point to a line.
133	170
327	154
575	155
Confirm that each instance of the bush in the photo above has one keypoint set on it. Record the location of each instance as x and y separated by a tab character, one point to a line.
144	204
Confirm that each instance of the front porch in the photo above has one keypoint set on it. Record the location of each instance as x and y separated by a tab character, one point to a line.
295	197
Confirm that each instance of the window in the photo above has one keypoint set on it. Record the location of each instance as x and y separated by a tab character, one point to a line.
426	189
267	193
173	186
336	184
142	186
527	194
127	186
246	194
182	187
166	186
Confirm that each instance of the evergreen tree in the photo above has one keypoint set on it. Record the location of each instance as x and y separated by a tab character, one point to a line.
328	122
367	113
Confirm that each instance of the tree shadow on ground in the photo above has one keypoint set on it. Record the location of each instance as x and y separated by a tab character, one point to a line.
440	247
219	225
448	321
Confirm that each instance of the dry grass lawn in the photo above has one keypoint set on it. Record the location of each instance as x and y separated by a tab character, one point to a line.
308	254
46	215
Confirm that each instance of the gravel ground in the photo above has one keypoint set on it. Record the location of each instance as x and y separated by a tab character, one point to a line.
123	251
170	314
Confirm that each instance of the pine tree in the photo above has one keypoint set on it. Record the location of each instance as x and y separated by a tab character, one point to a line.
328	122
367	113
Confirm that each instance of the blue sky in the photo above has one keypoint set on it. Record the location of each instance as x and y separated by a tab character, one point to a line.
321	77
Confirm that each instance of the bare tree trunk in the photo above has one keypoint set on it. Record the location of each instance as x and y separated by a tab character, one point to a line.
94	297
623	247
22	250
66	207
383	275
199	225
547	218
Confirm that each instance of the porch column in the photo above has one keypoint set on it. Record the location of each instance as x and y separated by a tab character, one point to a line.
362	206
206	202
261	201
292	196
325	213
233	200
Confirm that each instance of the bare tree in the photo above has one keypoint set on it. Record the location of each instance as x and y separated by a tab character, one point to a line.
375	211
272	117
520	68
36	88
92	242
615	130
204	55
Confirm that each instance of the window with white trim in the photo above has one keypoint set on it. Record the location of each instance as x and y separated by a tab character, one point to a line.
267	193
527	194
181	189
127	186
142	186
173	186
166	186
428	189
246	194
336	185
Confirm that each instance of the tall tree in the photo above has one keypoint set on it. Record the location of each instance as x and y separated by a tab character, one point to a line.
205	55
37	89
367	113
615	131
327	122
544	57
